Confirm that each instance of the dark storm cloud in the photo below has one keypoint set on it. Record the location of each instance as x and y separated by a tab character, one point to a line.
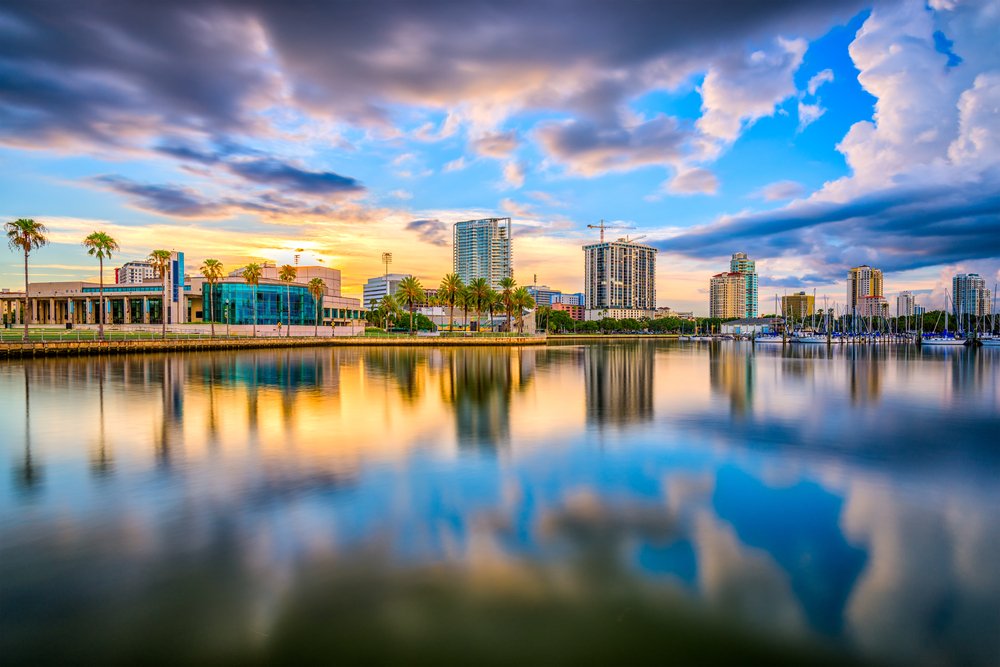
434	232
899	228
268	171
166	199
116	73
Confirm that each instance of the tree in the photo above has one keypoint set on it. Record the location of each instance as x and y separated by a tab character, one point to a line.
100	245
465	302
160	259
288	273
448	293
410	293
507	287
478	290
316	288
522	299
212	270
25	234
252	274
543	314
561	321
492	300
388	307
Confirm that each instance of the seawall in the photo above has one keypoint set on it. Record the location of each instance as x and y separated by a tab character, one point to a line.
12	349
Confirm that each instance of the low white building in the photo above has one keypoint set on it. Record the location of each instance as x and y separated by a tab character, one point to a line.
753	326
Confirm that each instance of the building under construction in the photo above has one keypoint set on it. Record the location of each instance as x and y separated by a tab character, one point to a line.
620	279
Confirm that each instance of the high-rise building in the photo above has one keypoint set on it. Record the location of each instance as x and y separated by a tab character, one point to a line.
969	295
544	295
872	306
576	299
862	281
906	302
727	295
747	267
135	272
620	280
799	304
483	249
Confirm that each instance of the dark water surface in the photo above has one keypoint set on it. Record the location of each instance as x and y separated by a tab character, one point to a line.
631	502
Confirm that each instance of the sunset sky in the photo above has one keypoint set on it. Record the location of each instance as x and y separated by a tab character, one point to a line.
813	136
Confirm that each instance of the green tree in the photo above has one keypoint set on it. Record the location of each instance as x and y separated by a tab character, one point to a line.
507	287
288	273
491	303
478	289
316	288
522	300
410	293
252	274
26	235
464	302
389	307
448	291
561	321
160	259
100	245
212	270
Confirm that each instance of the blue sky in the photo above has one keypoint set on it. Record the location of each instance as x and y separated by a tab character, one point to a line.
813	136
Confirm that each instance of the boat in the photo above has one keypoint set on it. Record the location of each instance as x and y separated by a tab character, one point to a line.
990	342
684	338
812	339
768	339
950	340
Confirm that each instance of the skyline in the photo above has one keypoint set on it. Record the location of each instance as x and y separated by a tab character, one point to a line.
814	137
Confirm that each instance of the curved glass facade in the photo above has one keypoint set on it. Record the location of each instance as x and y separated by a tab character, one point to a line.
273	303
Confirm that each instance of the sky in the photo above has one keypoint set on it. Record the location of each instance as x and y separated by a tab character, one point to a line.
814	136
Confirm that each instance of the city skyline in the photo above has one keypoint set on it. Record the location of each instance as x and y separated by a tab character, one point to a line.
815	137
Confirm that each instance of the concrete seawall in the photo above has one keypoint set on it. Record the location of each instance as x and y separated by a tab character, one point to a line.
73	348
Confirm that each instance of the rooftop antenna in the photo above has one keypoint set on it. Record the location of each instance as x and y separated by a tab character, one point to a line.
297	255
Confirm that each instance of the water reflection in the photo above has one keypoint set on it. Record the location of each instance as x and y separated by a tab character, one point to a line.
801	504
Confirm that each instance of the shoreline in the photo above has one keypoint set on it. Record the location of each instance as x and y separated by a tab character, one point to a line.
18	349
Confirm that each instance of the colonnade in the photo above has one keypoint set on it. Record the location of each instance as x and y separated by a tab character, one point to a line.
57	311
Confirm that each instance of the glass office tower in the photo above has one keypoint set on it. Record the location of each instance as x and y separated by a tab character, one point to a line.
483	249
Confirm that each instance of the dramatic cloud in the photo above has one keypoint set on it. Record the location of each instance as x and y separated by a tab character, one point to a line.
693	181
166	199
780	190
433	232
272	172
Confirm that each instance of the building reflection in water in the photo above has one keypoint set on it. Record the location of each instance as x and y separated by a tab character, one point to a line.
479	384
619	381
731	373
864	368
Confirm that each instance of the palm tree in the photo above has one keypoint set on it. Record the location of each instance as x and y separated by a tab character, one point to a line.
464	301
478	289
373	312
410	294
100	245
492	300
507	285
388	306
522	299
316	288
27	235
160	259
288	273
212	270
251	274
448	292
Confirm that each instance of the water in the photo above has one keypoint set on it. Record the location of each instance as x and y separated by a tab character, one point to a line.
610	503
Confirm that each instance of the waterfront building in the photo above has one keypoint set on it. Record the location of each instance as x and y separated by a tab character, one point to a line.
798	305
872	306
544	295
78	302
620	280
727	295
380	286
862	281
969	295
747	268
919	310
483	249
905	304
577	299
135	272
663	311
573	310
753	325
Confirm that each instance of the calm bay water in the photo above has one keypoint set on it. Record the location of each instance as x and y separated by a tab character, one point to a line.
640	501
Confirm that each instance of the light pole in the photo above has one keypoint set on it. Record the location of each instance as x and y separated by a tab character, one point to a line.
387	260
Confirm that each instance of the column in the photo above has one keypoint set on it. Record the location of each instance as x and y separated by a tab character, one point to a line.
145	310
51	315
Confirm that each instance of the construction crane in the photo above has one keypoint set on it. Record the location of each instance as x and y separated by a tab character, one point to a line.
602	227
632	240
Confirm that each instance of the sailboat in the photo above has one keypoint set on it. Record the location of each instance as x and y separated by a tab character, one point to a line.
946	338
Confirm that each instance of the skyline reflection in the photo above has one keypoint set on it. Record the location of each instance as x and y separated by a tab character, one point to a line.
837	498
